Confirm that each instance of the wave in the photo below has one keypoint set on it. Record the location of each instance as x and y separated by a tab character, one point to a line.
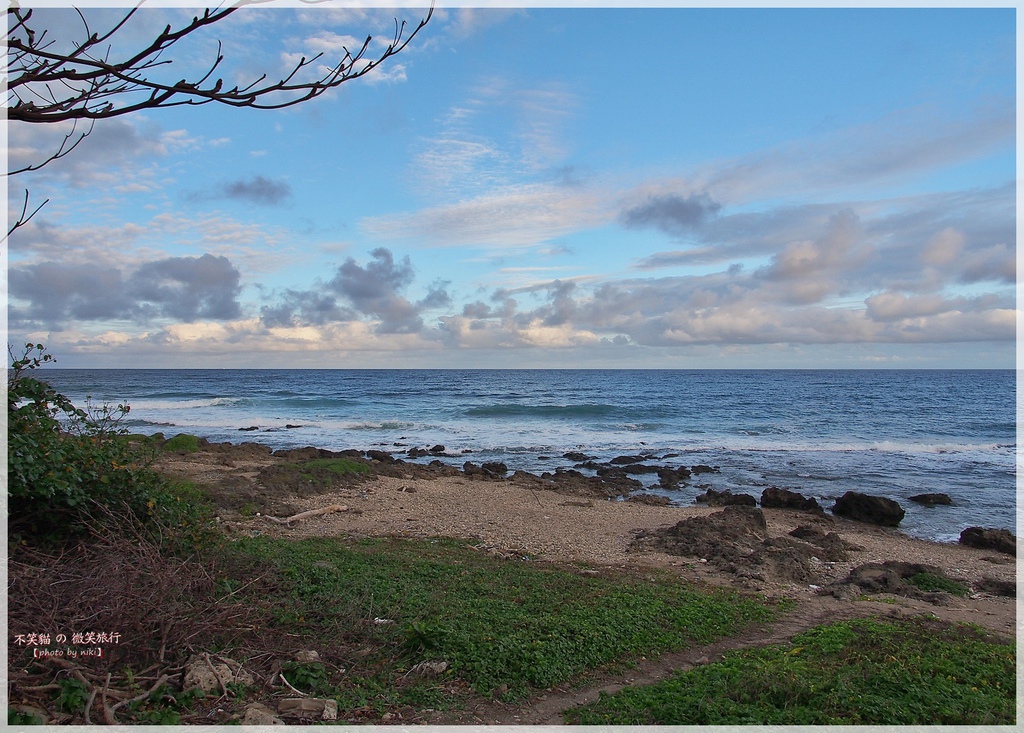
550	411
193	404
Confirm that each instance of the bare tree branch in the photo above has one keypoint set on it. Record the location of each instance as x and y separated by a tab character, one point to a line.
47	84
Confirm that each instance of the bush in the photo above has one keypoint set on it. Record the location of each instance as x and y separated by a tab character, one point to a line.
62	460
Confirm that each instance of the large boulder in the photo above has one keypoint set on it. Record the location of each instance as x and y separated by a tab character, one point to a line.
775	498
871	509
1000	540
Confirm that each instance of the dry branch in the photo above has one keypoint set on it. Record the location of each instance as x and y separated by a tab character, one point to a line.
306	515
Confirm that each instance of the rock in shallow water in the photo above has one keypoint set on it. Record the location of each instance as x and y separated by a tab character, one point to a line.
871	509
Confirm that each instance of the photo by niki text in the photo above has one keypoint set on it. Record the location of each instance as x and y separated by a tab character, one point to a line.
82	644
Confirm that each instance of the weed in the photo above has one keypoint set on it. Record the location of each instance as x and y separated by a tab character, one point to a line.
864	672
499	625
72	696
182	442
306	676
932	582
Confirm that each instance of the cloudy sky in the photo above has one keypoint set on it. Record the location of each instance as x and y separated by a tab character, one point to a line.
542	187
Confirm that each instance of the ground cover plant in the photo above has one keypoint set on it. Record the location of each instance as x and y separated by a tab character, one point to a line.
504	627
863	672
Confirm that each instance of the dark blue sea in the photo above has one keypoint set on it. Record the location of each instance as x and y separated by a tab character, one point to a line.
892	433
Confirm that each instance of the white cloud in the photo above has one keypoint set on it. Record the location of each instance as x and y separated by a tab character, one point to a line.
514	216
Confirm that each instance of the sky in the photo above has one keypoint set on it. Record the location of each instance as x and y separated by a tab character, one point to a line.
541	187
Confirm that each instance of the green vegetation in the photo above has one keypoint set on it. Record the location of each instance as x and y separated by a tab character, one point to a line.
68	466
932	582
325	471
864	672
501	626
182	442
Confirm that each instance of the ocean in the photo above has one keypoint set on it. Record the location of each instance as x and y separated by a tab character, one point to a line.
892	433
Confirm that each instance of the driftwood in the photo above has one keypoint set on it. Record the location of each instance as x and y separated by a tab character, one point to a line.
306	515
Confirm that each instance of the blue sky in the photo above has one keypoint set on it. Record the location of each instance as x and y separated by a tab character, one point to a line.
545	187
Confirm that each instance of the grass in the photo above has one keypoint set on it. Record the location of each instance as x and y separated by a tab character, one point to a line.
325	472
863	672
932	582
504	627
182	442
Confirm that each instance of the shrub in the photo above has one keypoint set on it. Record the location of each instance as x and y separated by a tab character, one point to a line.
62	460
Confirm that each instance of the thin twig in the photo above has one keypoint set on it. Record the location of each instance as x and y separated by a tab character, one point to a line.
142	696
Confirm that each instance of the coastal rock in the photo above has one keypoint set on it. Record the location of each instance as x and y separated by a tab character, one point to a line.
996	587
775	498
437	449
576	456
495	468
736	540
1000	540
870	509
932	499
725	498
701	468
571	481
471	469
670	478
892	577
625	460
833	547
381	456
417	452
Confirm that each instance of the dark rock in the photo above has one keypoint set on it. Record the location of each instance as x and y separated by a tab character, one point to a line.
995	587
670	478
289	426
775	498
701	468
417	452
735	540
890	577
833	547
440	467
576	456
249	429
471	469
623	460
1000	540
495	468
379	455
871	509
614	483
932	499
437	449
638	468
725	498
